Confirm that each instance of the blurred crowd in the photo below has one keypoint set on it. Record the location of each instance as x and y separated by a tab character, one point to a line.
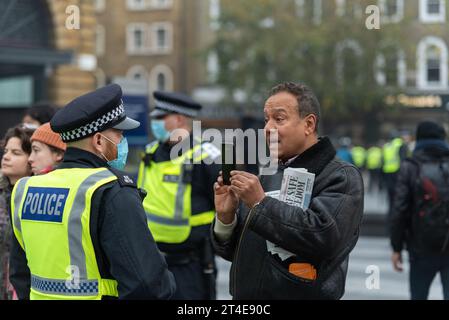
379	162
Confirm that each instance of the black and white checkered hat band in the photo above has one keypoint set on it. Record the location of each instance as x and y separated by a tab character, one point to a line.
174	108
94	126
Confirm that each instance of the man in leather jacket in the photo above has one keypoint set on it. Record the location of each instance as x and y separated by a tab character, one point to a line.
321	236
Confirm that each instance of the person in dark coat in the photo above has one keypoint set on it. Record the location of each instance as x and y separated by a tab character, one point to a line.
319	239
415	196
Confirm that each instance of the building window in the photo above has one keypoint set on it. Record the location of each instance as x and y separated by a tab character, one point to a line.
214	14
16	91
161	4
432	64
433	6
351	9
161	78
137	73
392	10
432	11
310	8
161	82
340	6
136	40
136	5
162	37
100	40
213	67
391	68
100	5
348	64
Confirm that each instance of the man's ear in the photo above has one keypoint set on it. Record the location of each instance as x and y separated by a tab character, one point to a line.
310	124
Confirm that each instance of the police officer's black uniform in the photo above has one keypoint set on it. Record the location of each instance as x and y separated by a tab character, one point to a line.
124	247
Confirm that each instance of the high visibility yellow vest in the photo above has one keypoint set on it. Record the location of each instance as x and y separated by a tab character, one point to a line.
359	156
392	159
51	219
168	204
374	158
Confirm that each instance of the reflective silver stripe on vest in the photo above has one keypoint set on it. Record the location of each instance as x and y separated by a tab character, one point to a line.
179	204
170	222
63	287
75	227
20	189
179	201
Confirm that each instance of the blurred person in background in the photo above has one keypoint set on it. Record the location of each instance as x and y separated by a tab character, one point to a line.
344	152
420	215
393	152
359	157
47	150
374	167
39	114
14	166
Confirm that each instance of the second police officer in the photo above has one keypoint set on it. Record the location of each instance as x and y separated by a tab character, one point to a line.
180	202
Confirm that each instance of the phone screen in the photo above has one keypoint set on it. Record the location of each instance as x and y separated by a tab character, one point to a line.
227	161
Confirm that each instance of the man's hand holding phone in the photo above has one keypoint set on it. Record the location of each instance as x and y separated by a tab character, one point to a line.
247	187
233	185
244	186
226	201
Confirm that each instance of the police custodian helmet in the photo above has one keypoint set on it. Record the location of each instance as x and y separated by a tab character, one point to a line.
172	102
94	112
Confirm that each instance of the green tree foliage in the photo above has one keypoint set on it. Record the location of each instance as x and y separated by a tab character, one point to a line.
263	42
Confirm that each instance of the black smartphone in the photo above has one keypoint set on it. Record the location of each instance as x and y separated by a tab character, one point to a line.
227	161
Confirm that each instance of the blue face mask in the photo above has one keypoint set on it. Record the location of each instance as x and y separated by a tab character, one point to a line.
122	154
159	131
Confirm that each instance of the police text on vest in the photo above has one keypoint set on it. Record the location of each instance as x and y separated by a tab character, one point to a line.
44	204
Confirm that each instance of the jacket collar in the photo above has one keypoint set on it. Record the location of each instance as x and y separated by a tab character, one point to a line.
316	158
76	158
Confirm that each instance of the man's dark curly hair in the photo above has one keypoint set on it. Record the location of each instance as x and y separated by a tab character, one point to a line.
307	100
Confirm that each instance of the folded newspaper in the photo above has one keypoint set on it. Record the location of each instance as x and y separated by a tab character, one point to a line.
296	190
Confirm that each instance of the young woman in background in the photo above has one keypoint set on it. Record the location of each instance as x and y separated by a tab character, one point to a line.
14	166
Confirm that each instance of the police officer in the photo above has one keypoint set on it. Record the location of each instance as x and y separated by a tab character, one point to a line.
175	169
80	231
393	153
359	156
374	166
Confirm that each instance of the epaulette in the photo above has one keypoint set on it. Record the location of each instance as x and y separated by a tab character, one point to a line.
123	178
